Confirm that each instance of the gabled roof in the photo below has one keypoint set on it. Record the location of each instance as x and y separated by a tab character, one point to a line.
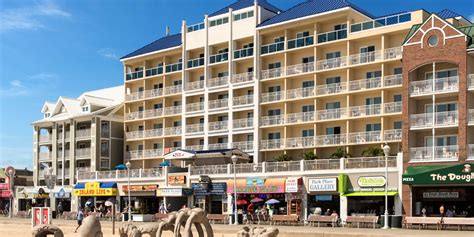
240	4
446	14
47	106
96	101
157	45
311	7
469	31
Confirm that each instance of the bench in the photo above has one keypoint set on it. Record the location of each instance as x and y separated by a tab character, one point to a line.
217	217
289	219
421	221
458	221
160	216
362	220
22	214
322	219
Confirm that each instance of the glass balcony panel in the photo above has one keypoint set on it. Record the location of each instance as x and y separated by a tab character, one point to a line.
437	153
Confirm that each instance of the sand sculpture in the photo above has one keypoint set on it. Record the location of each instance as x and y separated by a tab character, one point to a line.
45	230
258	232
90	227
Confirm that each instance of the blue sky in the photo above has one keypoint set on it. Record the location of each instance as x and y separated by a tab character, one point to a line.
50	48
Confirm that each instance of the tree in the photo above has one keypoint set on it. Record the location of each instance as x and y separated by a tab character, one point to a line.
309	155
282	157
373	152
340	153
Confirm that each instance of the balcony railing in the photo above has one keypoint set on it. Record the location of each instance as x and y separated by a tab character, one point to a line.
135	96
284	166
380	22
195	85
272	120
437	153
66	136
242	123
272	73
364	137
300	142
153	93
134	115
272	144
196	27
137	154
134	75
242	53
218	146
393	53
331	140
393	107
134	135
195	128
152	113
157	132
83	152
331	114
300	93
219	81
154	71
393	80
243	100
365	110
170	131
321	164
332	35
170	90
370	162
83	133
365	84
45	156
173	110
135	174
244	146
333	88
243	77
301	42
218	126
197	62
301	117
392	135
218	104
217	58
273	96
271	48
441	85
331	63
59	154
300	68
471	82
194	107
45	138
174	67
471	116
195	147
448	118
153	153
368	57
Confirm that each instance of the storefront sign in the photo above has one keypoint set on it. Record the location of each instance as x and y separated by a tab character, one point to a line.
62	194
373	181
322	185
173	192
3	186
211	189
179	155
95	189
292	185
456	174
257	185
438	195
140	188
181	179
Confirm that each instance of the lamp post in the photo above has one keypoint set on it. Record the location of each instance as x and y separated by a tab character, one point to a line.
11	173
386	151
129	199
234	159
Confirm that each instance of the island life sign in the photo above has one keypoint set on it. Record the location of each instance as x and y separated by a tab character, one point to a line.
456	174
322	185
94	189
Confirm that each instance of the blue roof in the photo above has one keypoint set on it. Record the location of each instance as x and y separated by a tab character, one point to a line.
160	44
311	7
108	185
240	4
80	186
446	14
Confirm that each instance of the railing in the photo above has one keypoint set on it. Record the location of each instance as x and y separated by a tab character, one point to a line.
332	35
243	77
243	100
195	147
331	63
437	153
120	174
154	71
242	53
368	57
393	80
393	53
301	117
365	84
364	137
300	142
153	153
380	22
195	85
45	138
135	96
441	85
271	48
83	133
83	152
284	166
470	152
104	132
272	144
393	107
272	120
272	73
471	82
218	146
134	135
134	75
170	90
300	93
153	113
217	58
448	118
217	104
370	162
59	154
66	136
321	164
172	131
195	128
392	135
197	62
194	107
331	140
218	126
157	132
218	81
173	110
134	115
154	93
330	114
273	96
333	88
242	123
195	27
45	156
244	146
300	68
174	67
138	154
300	42
471	116
209	170
365	110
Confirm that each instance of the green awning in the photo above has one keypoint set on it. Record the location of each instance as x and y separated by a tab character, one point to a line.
427	175
369	194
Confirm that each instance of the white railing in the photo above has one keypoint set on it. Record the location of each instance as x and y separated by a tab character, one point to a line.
195	128
330	114
364	137
272	73
243	100
170	90
45	156
153	93
300	68
135	174
217	104
194	107
83	133
218	146
242	123
331	63
243	77
333	88
172	131
66	136
153	113
393	107
173	110
300	142
219	81
448	118
368	57
134	154
272	120
365	110
441	85
284	166
331	140
273	96
45	138
83	152
300	93
322	164
195	147
470	152
471	116
157	132
134	135
209	170
369	162
393	53
365	84
471	81
153	153
218	126
301	117
300	42
392	135
244	146
393	80
195	85
134	115
437	153
135	96
272	144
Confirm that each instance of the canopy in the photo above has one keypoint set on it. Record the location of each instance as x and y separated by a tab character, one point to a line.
241	202
272	201
428	175
371	194
121	167
256	200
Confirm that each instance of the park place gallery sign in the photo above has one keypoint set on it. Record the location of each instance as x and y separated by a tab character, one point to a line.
456	174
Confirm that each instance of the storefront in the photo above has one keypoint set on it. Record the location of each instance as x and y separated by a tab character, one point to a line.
210	196
143	198
175	197
294	195
93	194
62	195
30	197
4	195
322	195
433	186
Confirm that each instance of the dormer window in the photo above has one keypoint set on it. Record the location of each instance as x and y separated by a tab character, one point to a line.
63	109
85	109
47	115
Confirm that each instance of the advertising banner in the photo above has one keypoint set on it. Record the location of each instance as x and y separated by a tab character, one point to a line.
41	215
257	185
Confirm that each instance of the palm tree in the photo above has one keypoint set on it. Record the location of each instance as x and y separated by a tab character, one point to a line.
309	155
340	153
373	152
282	157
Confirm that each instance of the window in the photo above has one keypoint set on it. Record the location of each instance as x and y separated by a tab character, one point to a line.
63	109
274	65
250	137
226	50
442	74
274	89
222	140
333	55
140	108
441	107
177	144
397	98
158	106
308	133
397	125
157	146
373	101
46	115
433	40
157	126
374	74
333	105
140	147
307	108
177	124
279	39
333	131
85	108
274	112
222	118
307	84
274	136
340	27
158	86
218	22
222	74
177	103
140	128
177	82
223	96
397	71
241	16
373	127
447	140
302	34
308	59
333	80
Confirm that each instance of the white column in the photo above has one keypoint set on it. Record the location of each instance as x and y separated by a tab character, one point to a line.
343	207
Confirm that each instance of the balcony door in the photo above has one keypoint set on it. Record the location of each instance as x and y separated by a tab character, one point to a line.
441	107
448	140
442	74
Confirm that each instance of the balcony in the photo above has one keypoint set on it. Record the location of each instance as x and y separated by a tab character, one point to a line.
45	156
273	96
218	146
470	152
370	162
284	166
66	136
171	90
332	35
300	68
301	117
272	73
272	120
217	82
195	85
242	53
243	77
242	123
195	107
152	113
300	142
301	93
300	42
153	153
272	144
393	107
471	82
173	110
471	117
59	154
153	93
195	148
135	174
364	137
331	114
246	146
138	154
135	96
154	71
83	133
218	104
393	53
365	84
217	58
437	153
356	59
197	62
381	22
45	138
365	110
195	128
441	85
134	135
172	131
134	75
196	27
393	135
331	63
331	140
243	100
393	80
272	48
333	88
218	126
83	152
174	67
157	132
441	119
134	115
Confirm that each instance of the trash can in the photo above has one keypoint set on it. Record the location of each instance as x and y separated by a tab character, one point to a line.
396	221
382	221
125	216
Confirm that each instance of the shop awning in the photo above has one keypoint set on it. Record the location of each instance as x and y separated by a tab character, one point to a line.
79	185
218	153
369	194
95	189
427	175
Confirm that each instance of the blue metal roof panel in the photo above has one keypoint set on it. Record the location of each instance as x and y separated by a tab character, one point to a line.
80	186
446	14
240	4
160	44
108	185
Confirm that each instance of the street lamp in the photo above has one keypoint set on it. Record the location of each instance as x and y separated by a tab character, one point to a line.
386	151
129	199
234	159
11	173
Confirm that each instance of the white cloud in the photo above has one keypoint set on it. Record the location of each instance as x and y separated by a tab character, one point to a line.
108	53
31	17
29	85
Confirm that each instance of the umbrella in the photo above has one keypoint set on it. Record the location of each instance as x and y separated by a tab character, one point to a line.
272	201
256	200
241	202
166	163
121	167
110	202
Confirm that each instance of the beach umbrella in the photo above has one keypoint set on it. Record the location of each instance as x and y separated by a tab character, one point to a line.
272	201
256	200
166	163
121	167
242	202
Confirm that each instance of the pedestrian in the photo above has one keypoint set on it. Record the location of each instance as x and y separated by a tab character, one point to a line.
441	210
162	209
60	208
328	212
80	217
250	209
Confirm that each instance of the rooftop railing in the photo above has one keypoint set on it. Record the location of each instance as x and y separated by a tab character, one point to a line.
332	35
135	174
437	153
271	48
370	162
154	71
195	85
242	53
285	166
380	22
301	42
